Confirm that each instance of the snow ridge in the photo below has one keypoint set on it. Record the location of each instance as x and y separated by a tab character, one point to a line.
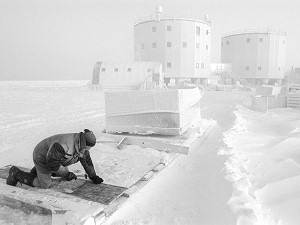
237	168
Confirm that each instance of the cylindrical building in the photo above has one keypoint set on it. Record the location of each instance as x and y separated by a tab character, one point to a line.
181	43
257	56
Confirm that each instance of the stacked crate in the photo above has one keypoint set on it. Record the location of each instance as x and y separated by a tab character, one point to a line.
268	97
293	100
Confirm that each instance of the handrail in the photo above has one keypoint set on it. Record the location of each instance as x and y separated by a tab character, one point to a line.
154	16
254	31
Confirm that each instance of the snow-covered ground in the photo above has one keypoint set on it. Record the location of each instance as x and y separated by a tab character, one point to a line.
245	172
263	166
32	111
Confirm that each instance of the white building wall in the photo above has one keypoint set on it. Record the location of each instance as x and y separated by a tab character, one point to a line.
258	55
128	75
179	60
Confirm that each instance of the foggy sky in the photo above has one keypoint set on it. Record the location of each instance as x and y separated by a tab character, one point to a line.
62	39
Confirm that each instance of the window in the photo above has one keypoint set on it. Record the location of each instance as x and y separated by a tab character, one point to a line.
116	69
184	44
282	41
153	29
227	42
169	65
197	65
197	45
247	68
278	68
206	32
222	44
202	65
148	70
259	68
206	47
248	40
169	44
169	28
102	69
154	45
128	69
198	31
261	39
142	46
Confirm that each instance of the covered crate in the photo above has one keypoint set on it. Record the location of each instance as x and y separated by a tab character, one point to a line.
163	111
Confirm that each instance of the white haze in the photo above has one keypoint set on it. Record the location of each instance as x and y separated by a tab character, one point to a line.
62	39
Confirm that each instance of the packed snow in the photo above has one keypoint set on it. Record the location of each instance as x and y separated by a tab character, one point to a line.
246	170
263	165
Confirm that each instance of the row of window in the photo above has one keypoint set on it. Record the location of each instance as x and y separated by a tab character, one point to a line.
258	68
117	69
169	28
248	40
169	45
169	65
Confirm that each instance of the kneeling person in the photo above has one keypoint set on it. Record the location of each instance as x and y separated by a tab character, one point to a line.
52	156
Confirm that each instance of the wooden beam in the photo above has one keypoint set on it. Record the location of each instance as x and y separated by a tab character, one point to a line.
161	144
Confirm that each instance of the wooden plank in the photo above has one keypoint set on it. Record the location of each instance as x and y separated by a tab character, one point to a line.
138	129
149	142
133	189
141	183
101	193
138	185
159	167
148	176
169	143
110	209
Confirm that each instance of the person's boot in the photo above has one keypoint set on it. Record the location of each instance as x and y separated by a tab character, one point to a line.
12	178
25	178
33	171
16	175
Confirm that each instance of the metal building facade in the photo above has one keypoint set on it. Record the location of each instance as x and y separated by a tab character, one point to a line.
181	44
256	55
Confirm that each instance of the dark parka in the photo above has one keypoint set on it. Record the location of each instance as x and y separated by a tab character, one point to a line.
55	153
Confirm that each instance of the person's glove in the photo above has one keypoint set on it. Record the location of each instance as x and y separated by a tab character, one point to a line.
96	179
70	176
